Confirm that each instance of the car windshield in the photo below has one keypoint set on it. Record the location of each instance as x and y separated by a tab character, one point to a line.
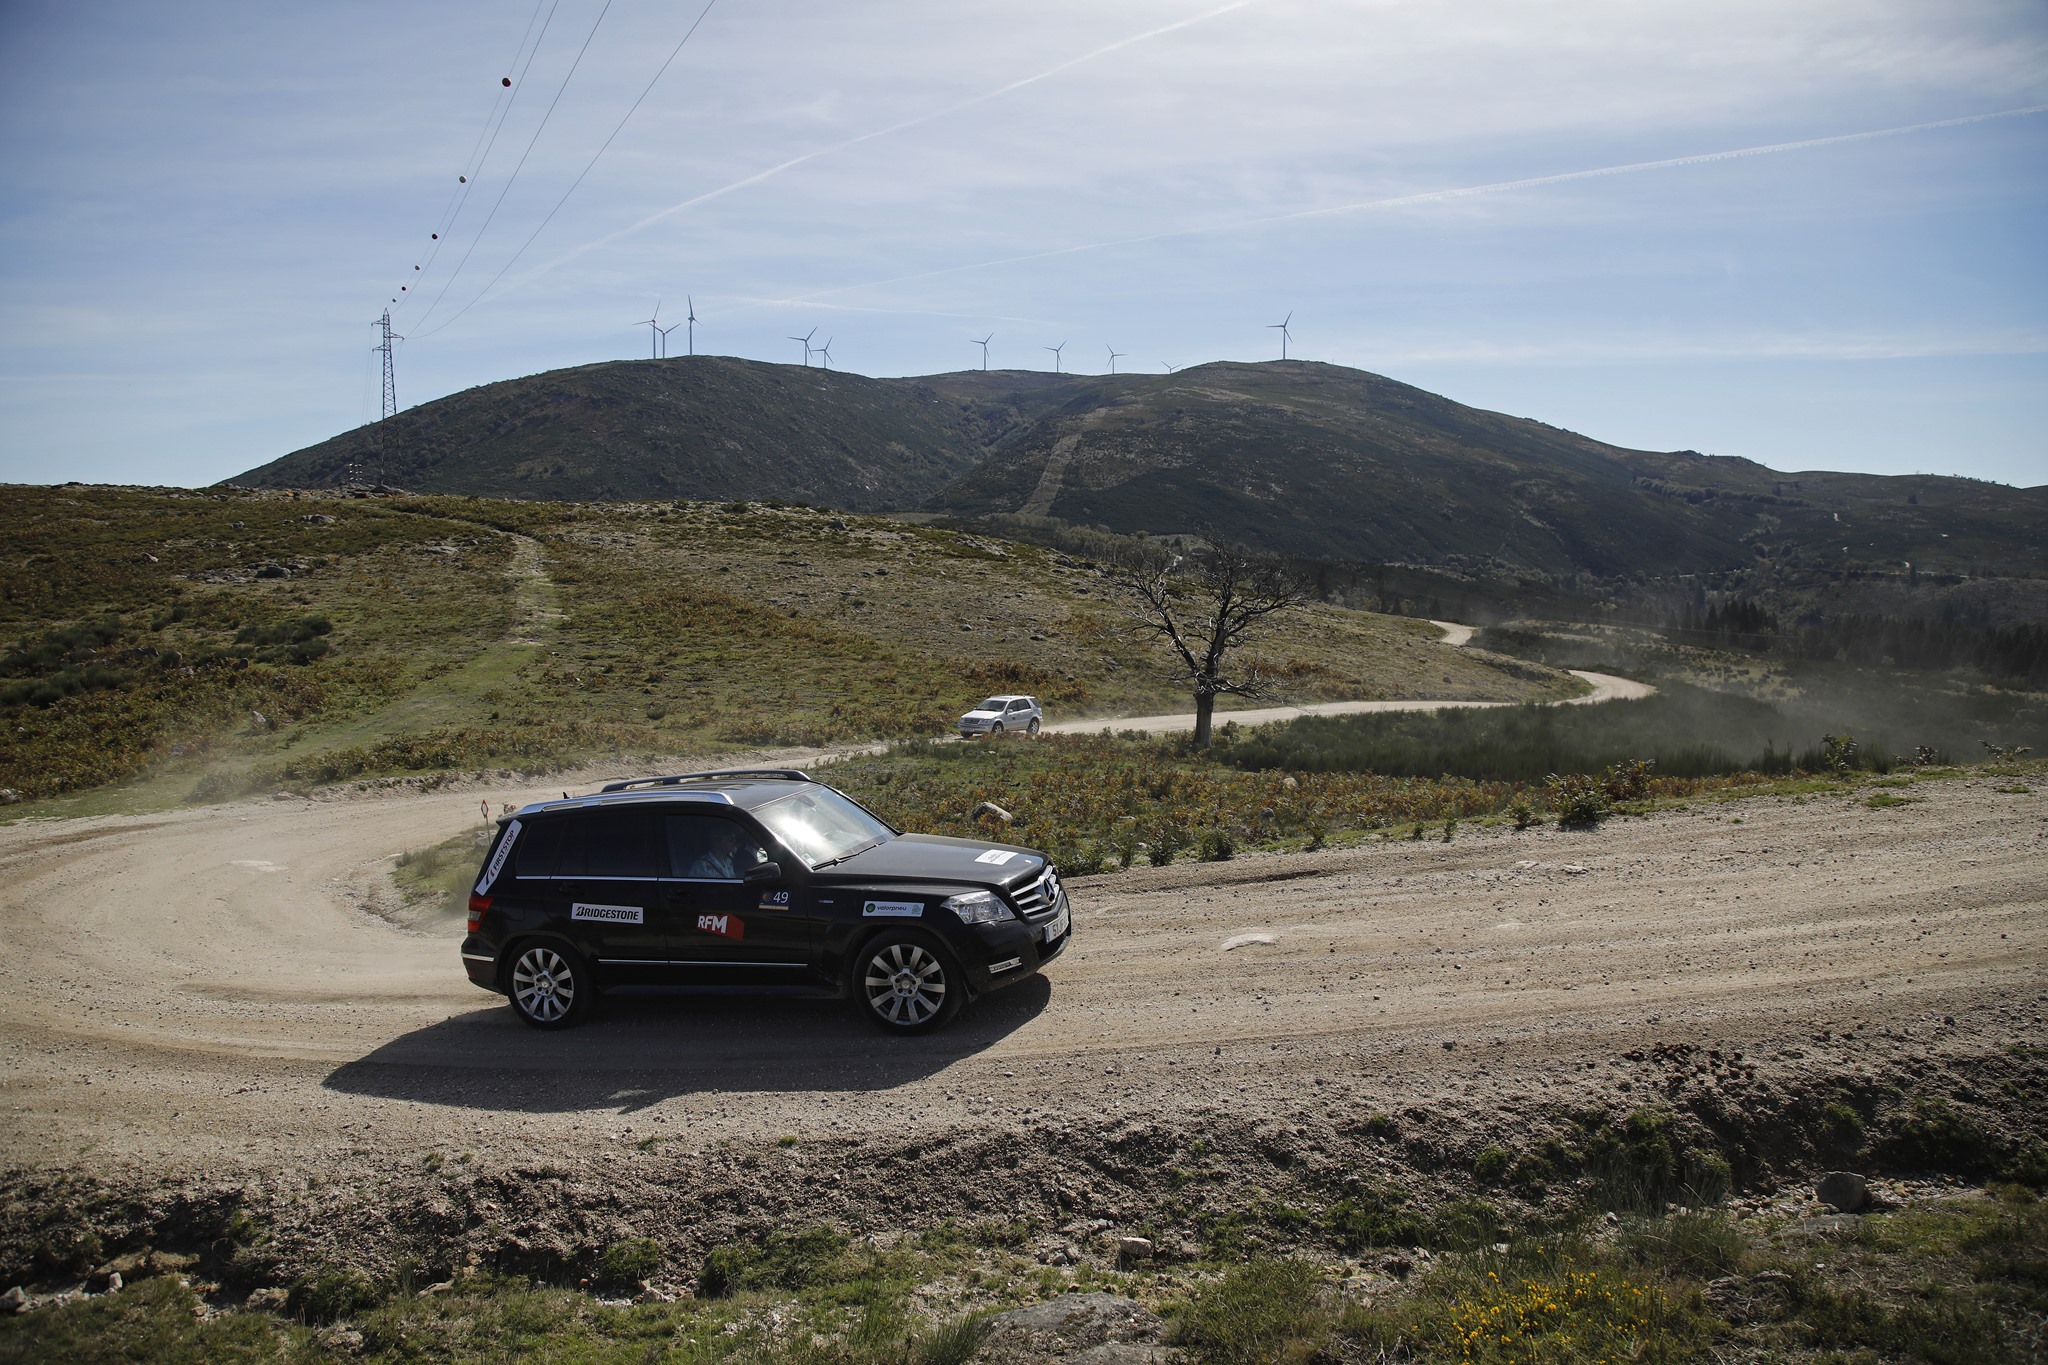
821	826
992	704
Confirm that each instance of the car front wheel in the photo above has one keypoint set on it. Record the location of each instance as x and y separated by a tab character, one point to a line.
904	984
996	728
550	986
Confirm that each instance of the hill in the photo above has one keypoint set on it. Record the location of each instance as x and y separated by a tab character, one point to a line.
1331	463
216	642
698	427
1306	459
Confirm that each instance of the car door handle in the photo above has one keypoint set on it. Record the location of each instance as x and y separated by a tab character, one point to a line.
679	900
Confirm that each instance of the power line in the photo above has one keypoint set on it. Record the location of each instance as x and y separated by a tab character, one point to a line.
659	73
487	136
499	202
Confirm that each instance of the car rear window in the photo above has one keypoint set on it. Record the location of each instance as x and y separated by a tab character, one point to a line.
540	844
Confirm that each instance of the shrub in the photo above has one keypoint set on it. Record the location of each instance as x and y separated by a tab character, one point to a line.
1372	1217
1578	799
1492	1164
625	1265
331	1296
1628	780
1216	846
782	1260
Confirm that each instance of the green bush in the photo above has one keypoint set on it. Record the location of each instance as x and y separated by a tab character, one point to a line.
331	1296
1578	799
1372	1217
625	1265
781	1260
1216	846
1492	1164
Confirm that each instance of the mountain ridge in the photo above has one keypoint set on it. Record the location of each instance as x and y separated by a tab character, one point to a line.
1295	457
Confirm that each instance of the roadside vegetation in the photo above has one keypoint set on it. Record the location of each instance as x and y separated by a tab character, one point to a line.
1947	1279
1109	801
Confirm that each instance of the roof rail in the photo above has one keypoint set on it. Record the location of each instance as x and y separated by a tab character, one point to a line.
786	774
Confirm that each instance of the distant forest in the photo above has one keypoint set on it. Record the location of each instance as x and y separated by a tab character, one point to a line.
2016	652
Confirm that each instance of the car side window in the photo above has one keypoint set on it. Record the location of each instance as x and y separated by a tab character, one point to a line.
619	843
540	844
709	846
1020	705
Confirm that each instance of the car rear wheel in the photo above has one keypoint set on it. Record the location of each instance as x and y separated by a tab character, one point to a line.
1032	728
550	986
903	983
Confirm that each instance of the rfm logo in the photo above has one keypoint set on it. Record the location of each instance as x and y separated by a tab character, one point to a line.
731	926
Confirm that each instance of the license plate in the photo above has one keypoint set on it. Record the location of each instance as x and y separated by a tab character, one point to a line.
1061	922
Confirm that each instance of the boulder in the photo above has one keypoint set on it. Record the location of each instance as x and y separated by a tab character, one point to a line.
1843	1191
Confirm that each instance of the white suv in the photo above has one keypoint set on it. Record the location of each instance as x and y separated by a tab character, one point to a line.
998	714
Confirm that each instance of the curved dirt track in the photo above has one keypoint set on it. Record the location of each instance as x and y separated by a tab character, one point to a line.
204	990
1605	687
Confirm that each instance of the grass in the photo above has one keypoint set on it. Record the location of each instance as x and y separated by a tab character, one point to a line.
1958	1280
1107	801
199	645
436	880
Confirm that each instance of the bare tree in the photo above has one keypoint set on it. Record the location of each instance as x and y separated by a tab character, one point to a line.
1203	606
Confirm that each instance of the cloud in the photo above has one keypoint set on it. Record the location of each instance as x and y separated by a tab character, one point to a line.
1430	197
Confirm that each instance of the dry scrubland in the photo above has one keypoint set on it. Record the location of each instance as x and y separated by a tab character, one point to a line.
151	629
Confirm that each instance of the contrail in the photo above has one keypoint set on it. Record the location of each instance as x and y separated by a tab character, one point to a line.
1432	197
651	219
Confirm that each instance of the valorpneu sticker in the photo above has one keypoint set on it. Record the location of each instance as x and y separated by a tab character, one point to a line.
892	909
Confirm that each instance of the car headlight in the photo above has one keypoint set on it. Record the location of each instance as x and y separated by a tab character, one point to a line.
979	907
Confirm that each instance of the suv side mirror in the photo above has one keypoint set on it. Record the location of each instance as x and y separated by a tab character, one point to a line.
762	873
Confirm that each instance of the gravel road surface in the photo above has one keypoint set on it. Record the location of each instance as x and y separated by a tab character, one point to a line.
213	990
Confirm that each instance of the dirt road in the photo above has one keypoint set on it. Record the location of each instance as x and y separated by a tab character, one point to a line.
205	991
1605	687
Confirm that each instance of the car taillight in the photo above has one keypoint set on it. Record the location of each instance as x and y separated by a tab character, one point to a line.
477	906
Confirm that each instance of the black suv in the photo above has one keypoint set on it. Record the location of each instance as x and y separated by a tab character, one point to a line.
759	880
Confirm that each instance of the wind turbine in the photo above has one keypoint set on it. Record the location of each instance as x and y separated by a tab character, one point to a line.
653	326
1114	356
806	340
1171	368
826	351
1284	333
692	333
664	338
1055	355
983	343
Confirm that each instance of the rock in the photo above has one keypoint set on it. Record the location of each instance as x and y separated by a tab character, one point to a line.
1400	1267
8	796
265	1300
14	1300
1133	1250
991	810
1843	1191
1101	1329
1126	1353
140	1265
343	1340
114	1282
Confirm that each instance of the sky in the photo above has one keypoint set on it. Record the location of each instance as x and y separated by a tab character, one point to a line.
1807	232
